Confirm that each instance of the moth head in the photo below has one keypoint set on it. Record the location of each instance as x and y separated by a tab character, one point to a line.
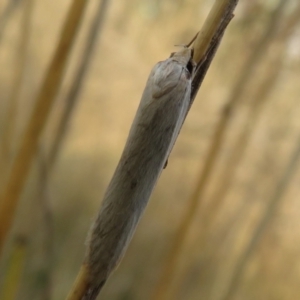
185	57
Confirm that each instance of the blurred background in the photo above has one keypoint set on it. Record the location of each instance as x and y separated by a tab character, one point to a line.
223	222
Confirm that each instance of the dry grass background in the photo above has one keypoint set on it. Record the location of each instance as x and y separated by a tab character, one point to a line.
135	35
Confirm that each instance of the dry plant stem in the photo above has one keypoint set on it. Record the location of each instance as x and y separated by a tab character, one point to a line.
233	101
46	226
220	10
156	125
276	198
17	81
7	12
33	130
72	96
206	229
203	64
260	97
45	168
173	256
15	268
290	24
254	59
211	158
80	285
207	40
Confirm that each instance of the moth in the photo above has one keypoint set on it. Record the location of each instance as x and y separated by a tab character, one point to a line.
154	130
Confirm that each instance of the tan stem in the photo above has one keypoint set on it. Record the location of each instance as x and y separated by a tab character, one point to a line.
80	285
15	268
210	27
11	114
45	99
220	12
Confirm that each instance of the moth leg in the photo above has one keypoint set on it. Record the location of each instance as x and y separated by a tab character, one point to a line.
166	163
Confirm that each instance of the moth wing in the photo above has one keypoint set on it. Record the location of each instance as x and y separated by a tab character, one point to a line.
165	78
